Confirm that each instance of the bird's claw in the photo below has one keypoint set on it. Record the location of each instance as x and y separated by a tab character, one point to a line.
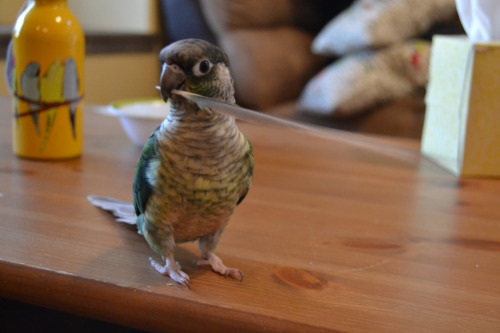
181	278
234	273
173	270
218	266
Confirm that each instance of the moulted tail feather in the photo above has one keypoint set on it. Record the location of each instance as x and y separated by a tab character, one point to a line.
375	145
124	211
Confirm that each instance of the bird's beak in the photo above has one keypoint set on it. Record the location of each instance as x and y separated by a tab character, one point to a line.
172	77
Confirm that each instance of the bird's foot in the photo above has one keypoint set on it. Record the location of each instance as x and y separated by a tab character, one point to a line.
218	266
173	270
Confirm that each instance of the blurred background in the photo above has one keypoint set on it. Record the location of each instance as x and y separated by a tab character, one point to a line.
269	44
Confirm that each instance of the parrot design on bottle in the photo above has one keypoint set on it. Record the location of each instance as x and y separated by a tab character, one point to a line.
59	85
10	76
70	91
30	86
52	92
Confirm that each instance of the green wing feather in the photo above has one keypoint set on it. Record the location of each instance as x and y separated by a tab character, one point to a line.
142	187
249	171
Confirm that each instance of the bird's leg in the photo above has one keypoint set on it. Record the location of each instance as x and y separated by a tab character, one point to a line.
172	269
162	240
207	245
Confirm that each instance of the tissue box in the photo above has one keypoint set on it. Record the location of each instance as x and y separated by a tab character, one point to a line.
462	122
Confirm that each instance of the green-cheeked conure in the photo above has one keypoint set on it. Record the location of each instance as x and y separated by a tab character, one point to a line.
197	166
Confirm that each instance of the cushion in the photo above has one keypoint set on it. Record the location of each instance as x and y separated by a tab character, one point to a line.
310	15
269	44
375	23
266	72
361	80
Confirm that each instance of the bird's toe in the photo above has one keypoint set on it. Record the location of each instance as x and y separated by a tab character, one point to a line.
218	266
172	270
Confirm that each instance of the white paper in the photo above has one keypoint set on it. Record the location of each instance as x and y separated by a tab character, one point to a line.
480	19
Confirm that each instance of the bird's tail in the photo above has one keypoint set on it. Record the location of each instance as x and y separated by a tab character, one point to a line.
124	211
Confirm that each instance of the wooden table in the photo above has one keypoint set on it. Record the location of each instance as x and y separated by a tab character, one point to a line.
332	237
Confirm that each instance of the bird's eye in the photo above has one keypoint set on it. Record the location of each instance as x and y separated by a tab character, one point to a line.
202	67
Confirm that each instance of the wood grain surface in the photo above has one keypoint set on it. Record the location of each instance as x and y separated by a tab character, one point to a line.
331	238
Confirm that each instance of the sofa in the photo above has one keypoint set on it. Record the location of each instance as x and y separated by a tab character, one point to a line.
269	47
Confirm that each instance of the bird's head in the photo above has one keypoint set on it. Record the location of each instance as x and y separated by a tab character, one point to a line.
196	66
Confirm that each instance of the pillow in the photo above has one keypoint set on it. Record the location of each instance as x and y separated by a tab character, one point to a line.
270	66
375	23
364	79
228	15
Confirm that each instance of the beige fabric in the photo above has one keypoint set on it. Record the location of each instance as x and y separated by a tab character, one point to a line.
223	15
375	23
226	15
269	65
362	80
269	53
268	44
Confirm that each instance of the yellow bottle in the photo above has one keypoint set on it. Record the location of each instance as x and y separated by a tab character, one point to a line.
48	50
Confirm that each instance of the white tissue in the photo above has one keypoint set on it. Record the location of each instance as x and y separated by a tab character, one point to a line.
480	19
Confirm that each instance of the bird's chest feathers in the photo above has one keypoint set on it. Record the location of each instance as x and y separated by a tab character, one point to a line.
202	170
202	151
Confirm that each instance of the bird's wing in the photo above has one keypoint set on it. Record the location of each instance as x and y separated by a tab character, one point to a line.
243	195
249	171
145	175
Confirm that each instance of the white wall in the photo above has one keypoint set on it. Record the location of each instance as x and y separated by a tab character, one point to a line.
125	16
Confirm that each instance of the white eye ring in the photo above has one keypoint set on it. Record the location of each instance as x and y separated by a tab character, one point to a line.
202	67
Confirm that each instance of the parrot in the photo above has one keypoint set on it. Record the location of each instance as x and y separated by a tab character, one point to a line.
70	91
195	168
51	89
11	79
30	85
